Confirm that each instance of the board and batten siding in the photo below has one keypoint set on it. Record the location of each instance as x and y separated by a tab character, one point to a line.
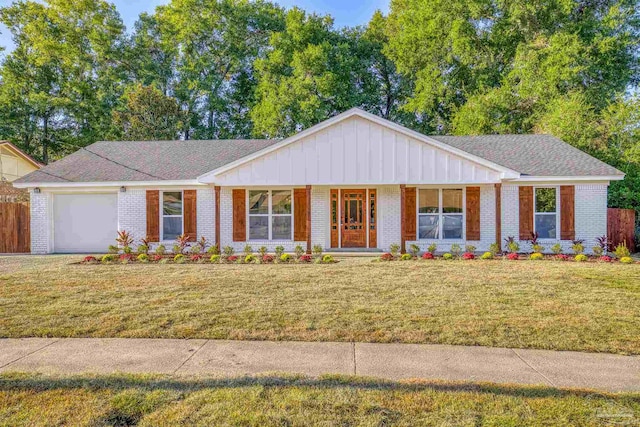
358	151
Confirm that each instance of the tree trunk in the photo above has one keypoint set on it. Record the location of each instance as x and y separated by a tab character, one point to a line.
45	140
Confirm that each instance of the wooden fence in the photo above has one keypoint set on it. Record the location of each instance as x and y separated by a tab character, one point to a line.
15	233
621	224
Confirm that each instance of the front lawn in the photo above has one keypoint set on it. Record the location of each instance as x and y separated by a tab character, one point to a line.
298	401
523	304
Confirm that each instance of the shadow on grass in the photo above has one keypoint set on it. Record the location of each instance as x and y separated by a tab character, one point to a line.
22	381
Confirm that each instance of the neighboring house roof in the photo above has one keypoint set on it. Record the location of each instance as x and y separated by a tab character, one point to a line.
8	145
125	161
121	161
533	155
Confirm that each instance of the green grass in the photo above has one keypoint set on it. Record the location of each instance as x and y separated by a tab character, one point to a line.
298	401
546	305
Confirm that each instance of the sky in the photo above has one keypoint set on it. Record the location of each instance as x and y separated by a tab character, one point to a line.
344	12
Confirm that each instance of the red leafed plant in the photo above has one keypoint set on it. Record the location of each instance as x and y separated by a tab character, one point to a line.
305	258
605	258
124	238
562	257
427	255
126	257
89	259
468	255
156	258
267	258
386	257
232	258
196	257
513	256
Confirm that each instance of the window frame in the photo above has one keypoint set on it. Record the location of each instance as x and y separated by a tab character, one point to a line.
162	215
441	214
556	213
269	215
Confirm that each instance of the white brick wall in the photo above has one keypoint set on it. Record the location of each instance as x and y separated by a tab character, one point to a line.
389	226
132	213
41	223
321	216
206	214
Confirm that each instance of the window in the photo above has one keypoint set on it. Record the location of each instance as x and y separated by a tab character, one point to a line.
440	214
545	216
270	215
171	214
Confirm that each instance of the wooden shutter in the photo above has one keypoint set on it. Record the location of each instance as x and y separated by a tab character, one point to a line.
153	215
190	214
567	212
239	216
410	212
473	213
526	212
300	214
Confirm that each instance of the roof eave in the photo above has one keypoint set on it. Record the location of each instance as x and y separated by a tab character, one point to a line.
183	182
531	178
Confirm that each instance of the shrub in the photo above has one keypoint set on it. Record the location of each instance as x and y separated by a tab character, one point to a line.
279	250
447	256
605	258
126	257
196	257
89	259
285	257
181	242
626	260
604	244
267	258
107	259
305	258
432	248
468	255
160	250
556	249
163	261
178	259
113	249
327	259
156	258
427	255
298	250
143	249
127	250
232	258
622	251
470	248
195	249
494	249
394	249
317	251
487	255
214	250
262	250
513	256
537	248
414	250
249	259
248	250
581	258
203	243
215	258
562	257
228	251
456	249
176	249
577	246
536	256
143	258
406	257
597	250
386	257
512	246
124	238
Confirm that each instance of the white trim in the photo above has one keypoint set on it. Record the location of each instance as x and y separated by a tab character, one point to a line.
442	214
506	173
162	215
596	178
269	215
556	213
109	184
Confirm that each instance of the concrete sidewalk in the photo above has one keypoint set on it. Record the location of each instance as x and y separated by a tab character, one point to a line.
388	361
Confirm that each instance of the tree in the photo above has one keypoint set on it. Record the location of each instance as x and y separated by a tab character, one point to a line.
148	114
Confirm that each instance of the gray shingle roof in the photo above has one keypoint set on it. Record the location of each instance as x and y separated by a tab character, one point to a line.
146	160
534	155
106	161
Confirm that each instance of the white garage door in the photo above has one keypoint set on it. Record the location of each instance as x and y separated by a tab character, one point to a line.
84	222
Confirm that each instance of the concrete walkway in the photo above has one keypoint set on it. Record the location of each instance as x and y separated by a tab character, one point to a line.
388	361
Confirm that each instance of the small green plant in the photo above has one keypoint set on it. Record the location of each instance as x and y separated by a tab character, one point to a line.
455	250
414	250
512	245
178	259
406	257
143	249
536	256
215	258
626	260
394	249
213	250
249	259
176	249
285	257
556	249
113	249
143	258
432	248
494	248
447	256
597	250
127	250
279	250
161	250
317	251
248	250
195	249
470	248
299	251
581	258
577	247
327	259
262	250
228	251
163	261
537	248
487	255
107	259
622	251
